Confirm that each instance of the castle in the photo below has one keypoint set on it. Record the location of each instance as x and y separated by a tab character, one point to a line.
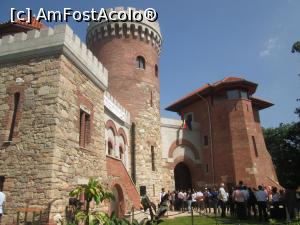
70	111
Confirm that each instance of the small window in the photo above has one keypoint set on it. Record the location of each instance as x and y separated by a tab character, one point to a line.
2	179
152	158
233	94
244	94
206	169
205	140
14	117
254	146
84	135
156	70
110	148
140	62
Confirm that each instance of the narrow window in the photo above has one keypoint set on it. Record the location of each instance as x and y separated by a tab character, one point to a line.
84	135
109	147
13	122
206	170
140	62
254	146
156	70
205	140
121	152
151	98
2	179
152	158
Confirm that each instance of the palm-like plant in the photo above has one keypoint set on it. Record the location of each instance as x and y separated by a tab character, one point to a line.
93	191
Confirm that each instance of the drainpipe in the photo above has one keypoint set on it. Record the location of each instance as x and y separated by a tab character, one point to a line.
211	138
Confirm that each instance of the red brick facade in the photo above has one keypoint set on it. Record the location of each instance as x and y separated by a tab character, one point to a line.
238	151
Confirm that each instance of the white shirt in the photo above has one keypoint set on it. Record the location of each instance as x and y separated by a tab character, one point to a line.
2	200
161	195
222	194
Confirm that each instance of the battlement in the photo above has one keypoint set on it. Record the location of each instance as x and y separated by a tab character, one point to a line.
59	40
145	30
116	108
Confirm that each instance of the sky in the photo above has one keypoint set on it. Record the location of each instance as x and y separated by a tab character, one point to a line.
207	40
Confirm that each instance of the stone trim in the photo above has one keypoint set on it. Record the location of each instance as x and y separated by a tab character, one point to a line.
116	108
59	40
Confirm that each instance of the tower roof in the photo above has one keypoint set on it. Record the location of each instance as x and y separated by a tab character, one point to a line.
209	89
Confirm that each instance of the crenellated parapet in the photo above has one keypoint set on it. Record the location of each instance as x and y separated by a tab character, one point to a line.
50	41
116	108
145	30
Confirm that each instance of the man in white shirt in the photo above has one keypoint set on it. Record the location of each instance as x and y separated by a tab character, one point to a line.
223	197
2	200
262	198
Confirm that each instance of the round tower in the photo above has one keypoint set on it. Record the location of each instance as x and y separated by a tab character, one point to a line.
130	52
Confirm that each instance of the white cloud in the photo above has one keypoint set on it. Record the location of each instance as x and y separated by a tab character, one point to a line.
269	47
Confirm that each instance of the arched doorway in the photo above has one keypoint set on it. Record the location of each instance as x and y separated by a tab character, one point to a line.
118	205
182	177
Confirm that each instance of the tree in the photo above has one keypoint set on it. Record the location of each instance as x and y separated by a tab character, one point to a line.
296	47
93	191
283	143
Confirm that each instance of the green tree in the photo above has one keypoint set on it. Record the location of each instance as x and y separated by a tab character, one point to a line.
93	191
283	143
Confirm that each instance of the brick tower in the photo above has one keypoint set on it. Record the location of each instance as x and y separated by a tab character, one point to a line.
130	52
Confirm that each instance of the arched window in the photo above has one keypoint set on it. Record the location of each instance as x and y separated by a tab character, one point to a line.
156	70
110	148
140	62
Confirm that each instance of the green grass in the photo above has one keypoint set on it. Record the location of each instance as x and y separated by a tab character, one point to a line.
203	220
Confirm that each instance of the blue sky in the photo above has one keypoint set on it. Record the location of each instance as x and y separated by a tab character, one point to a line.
205	41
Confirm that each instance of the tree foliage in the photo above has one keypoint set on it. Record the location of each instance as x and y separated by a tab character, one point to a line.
283	143
296	47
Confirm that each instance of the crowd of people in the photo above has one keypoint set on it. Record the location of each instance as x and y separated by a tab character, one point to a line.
241	201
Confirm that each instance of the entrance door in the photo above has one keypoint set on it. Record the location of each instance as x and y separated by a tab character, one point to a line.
182	177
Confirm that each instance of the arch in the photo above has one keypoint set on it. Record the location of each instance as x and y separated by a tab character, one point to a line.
183	142
122	133
111	125
118	206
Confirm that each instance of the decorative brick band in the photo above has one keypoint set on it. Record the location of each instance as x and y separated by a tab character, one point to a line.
144	30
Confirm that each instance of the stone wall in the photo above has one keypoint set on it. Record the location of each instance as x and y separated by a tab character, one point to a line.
27	162
181	145
56	77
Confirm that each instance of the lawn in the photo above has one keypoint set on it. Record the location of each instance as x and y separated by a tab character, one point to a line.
203	220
